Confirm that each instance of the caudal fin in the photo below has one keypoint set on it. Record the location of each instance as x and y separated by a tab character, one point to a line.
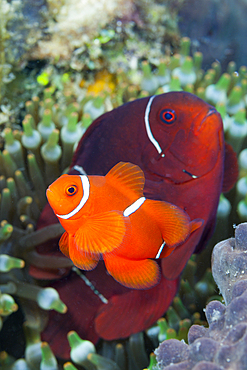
114	321
174	223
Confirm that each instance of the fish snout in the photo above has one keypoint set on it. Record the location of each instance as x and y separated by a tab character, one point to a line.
48	192
52	197
207	122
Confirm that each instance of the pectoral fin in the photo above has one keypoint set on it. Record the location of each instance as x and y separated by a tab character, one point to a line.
137	274
101	233
230	168
81	259
64	244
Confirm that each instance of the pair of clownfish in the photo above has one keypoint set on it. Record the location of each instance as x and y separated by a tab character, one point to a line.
108	216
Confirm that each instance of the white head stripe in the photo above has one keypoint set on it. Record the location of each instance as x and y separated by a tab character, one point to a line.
85	187
147	124
134	206
79	169
160	250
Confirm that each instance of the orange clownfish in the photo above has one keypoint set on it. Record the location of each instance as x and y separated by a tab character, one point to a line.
108	216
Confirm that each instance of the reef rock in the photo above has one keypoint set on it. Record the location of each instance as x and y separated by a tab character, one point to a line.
229	262
75	22
222	345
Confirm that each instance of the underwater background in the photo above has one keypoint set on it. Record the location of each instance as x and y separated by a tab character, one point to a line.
62	65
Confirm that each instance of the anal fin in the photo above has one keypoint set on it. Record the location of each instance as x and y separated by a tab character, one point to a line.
137	274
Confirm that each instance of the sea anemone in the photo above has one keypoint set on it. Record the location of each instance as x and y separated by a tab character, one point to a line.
41	149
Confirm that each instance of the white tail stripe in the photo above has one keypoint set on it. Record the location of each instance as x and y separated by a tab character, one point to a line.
86	188
160	250
147	124
134	207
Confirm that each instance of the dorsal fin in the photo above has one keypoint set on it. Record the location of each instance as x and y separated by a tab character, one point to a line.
127	175
230	168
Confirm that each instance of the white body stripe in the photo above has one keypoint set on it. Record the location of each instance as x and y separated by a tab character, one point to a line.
134	207
160	250
86	188
148	128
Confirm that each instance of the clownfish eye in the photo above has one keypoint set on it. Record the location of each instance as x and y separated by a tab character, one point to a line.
168	116
71	190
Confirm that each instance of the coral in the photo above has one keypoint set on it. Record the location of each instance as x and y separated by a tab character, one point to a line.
77	22
77	36
79	33
97	28
23	27
223	344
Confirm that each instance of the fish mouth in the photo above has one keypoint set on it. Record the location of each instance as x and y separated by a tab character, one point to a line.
209	121
53	199
194	150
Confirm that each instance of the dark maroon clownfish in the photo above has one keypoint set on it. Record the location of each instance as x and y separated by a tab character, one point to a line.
178	141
